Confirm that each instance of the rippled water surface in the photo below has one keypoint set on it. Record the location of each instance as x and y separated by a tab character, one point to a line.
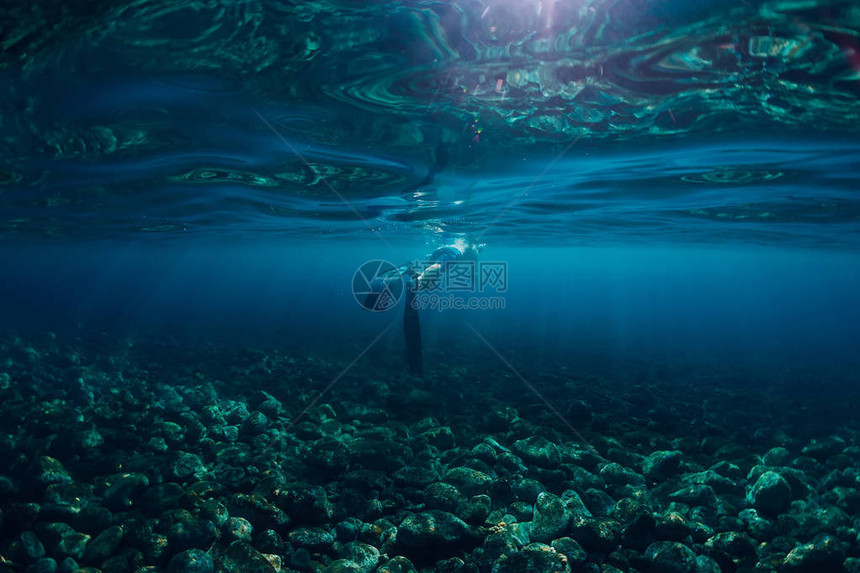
519	121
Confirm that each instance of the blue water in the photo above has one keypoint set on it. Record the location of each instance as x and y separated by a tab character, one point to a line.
753	307
661	178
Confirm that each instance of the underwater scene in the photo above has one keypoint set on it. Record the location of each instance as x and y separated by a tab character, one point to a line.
430	286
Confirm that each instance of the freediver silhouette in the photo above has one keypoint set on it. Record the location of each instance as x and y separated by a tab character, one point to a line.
422	276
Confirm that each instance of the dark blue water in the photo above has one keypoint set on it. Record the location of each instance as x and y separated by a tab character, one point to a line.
765	307
659	177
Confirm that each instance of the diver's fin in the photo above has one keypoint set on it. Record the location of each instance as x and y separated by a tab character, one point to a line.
371	300
412	334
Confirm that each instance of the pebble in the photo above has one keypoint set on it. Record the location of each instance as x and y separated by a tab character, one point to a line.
257	509
596	533
777	456
573	551
822	448
191	561
551	518
214	511
662	465
443	496
269	541
824	553
161	498
50	470
311	538
537	558
527	489
74	545
92	519
670	557
123	489
599	502
31	546
184	531
44	565
237	528
185	464
731	549
240	557
431	529
401	564
639	528
73	495
616	474
770	494
539	451
468	481
476	510
695	495
103	545
342	566
364	556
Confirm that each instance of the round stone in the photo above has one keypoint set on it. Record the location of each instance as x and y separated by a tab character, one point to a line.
191	561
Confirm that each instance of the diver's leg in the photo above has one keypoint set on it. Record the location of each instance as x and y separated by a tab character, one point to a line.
412	334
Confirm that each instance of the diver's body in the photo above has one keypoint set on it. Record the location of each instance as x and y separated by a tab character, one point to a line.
412	331
459	251
414	281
